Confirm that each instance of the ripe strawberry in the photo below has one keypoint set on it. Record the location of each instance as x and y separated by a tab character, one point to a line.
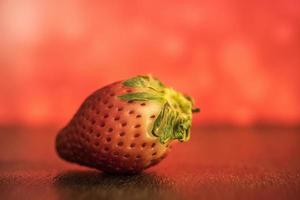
127	126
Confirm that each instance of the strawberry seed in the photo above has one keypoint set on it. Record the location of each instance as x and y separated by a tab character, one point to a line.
106	149
131	112
137	135
122	133
120	144
132	145
137	126
137	157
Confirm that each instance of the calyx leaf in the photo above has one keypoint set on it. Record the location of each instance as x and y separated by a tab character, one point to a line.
145	82
171	125
140	96
175	118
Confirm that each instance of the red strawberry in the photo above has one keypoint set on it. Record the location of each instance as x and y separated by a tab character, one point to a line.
127	126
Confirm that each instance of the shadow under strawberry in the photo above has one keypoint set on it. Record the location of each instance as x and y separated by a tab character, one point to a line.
96	185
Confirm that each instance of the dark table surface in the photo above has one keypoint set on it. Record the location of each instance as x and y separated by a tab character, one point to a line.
217	163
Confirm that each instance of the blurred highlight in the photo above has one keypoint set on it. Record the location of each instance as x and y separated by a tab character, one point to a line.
238	59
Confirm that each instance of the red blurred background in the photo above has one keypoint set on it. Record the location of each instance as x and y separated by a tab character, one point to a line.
238	59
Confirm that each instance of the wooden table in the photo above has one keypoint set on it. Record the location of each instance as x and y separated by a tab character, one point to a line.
217	163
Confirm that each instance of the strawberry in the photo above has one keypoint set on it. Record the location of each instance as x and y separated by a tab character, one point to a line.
126	126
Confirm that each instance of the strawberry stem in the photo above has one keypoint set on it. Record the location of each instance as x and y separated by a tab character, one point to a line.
195	110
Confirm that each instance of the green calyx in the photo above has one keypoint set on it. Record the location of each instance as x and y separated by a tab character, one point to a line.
175	118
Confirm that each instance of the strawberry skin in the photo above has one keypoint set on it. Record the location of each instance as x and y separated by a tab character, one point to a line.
113	130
